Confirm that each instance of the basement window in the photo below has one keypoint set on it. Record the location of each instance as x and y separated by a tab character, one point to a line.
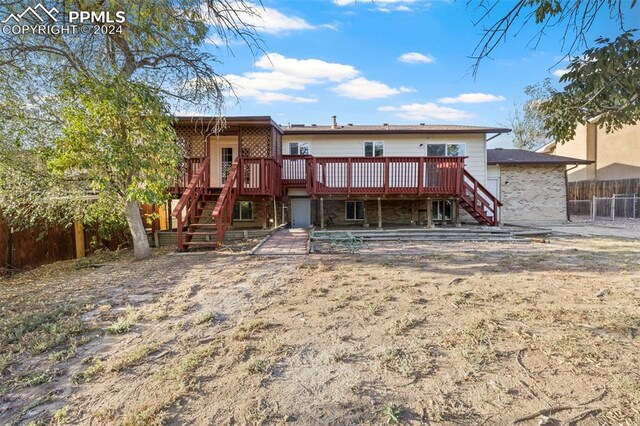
355	210
243	210
299	148
374	149
441	210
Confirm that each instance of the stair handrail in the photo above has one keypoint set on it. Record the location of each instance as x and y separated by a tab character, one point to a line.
186	207
223	212
482	195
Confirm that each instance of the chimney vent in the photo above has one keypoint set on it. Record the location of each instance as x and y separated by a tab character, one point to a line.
313	125
422	124
350	124
335	121
385	124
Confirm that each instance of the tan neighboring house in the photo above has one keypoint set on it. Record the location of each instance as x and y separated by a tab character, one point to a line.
614	155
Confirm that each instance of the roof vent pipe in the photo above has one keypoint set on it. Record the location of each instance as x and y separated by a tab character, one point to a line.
335	121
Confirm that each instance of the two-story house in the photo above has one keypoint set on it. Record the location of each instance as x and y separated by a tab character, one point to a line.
255	173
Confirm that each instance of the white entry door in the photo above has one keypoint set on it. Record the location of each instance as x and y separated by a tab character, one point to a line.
300	212
226	161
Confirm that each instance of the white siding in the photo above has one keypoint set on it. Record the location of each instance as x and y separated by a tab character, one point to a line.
396	146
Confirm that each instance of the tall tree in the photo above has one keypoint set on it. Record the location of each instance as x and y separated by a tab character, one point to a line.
603	81
602	86
527	119
86	115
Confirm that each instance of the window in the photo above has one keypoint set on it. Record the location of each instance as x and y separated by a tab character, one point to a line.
441	210
355	210
299	148
374	149
243	210
226	157
445	150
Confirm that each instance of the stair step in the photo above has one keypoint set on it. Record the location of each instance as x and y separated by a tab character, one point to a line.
201	243
199	233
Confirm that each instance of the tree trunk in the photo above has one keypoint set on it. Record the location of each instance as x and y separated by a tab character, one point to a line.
141	249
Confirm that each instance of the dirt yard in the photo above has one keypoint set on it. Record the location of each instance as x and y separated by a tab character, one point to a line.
484	333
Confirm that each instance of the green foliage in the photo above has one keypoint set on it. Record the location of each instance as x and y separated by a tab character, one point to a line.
86	129
527	120
602	86
118	135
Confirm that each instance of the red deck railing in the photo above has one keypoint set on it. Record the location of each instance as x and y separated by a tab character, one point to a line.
260	176
248	176
223	212
186	209
294	170
384	175
480	198
191	167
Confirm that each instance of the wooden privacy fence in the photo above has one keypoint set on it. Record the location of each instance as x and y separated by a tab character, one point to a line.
34	247
587	189
29	248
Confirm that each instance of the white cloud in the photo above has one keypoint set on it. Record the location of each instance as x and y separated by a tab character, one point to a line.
386	6
278	74
287	74
266	19
560	73
472	98
415	58
306	69
428	111
361	88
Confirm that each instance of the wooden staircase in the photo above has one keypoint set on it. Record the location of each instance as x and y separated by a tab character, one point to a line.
202	232
481	204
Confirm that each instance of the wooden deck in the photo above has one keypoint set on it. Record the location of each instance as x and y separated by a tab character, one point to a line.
330	176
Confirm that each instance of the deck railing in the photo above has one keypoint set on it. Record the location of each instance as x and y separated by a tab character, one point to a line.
223	212
186	209
186	173
294	170
259	176
384	175
475	194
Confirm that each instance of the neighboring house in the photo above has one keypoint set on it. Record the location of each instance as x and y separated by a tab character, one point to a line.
613	155
255	173
532	186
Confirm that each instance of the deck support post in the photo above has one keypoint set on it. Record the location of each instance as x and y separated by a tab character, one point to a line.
414	213
429	213
456	212
379	213
321	213
264	214
275	213
78	231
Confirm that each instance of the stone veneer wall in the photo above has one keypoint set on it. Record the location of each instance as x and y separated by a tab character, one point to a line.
258	216
533	194
394	212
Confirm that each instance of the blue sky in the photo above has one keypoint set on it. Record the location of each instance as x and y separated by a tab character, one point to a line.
345	58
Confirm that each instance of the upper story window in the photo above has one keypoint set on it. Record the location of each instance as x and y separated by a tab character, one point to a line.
374	149
445	150
299	148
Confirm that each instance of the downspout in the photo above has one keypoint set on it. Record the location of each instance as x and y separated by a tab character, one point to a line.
566	188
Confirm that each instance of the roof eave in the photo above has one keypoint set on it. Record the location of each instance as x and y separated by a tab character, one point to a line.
312	131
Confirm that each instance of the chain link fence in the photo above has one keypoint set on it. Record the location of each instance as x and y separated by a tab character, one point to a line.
617	207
